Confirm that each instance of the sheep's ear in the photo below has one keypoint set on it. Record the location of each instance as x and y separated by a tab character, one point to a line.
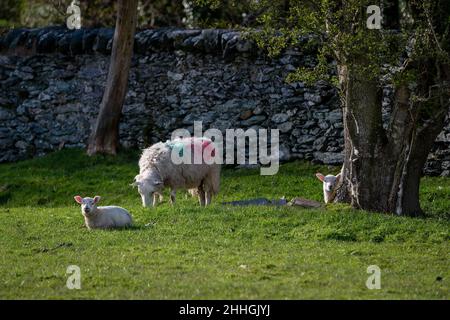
78	199
136	181
338	176
97	199
320	176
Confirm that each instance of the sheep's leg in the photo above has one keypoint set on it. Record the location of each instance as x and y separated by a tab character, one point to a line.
173	194
155	199
158	197
207	198
201	197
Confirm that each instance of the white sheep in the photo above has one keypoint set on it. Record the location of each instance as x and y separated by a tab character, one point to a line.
158	171
330	182
103	217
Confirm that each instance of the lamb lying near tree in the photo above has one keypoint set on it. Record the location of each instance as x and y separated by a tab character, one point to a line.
330	183
103	217
158	171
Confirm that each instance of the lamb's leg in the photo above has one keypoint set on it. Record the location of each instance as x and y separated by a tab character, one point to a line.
201	197
173	194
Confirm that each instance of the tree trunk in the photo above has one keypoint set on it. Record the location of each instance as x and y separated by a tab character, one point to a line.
382	167
105	136
391	14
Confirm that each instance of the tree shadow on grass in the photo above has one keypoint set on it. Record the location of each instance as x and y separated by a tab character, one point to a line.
5	193
122	229
4	197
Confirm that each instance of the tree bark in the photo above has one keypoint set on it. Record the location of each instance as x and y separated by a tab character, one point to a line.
105	136
383	167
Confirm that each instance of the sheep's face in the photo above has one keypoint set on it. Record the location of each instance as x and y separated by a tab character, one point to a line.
88	205
329	181
146	188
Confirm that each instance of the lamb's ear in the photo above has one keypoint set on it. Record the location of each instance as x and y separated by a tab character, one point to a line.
97	199
78	199
320	176
338	176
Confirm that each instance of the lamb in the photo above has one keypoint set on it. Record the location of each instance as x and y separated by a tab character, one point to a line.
158	171
330	183
103	217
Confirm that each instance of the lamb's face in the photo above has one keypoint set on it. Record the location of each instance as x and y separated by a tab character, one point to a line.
329	181
88	205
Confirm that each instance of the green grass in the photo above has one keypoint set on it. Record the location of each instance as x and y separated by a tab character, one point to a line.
215	253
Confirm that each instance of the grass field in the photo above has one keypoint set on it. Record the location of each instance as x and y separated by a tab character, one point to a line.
185	252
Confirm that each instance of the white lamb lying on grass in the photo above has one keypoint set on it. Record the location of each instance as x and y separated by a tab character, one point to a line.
330	183
103	217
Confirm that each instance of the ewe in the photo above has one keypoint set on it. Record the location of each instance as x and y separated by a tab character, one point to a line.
103	217
157	171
